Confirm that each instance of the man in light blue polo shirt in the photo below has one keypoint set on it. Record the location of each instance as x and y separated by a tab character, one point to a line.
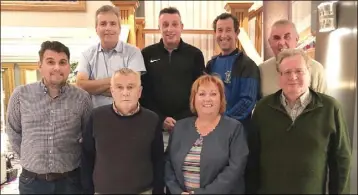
100	61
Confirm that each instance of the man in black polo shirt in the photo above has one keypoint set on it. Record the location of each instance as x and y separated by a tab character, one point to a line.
172	66
123	143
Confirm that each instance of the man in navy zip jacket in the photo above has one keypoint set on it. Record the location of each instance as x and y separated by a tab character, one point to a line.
239	73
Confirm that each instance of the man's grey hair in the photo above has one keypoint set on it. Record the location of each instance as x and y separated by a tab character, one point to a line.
126	72
285	22
292	52
108	9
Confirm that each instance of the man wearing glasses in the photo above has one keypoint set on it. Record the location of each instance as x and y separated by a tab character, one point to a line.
297	135
284	36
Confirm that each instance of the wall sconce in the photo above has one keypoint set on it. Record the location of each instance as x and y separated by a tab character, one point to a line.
327	16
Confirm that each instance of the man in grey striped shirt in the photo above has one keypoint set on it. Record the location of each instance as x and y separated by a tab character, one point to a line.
44	126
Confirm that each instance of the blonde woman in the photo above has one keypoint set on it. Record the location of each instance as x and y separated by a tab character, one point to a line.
207	153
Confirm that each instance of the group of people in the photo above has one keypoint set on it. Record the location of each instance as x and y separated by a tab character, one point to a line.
234	127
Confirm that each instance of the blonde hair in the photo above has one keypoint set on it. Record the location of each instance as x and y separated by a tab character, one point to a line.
292	52
204	80
126	72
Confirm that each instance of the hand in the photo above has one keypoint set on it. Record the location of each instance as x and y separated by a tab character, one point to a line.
169	123
185	193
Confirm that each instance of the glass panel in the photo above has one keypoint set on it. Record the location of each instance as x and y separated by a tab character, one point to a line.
2	104
5	94
30	76
124	33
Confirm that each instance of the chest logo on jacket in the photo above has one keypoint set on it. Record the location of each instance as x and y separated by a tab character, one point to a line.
151	61
227	77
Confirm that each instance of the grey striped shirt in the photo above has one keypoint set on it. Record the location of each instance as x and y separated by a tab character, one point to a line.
45	131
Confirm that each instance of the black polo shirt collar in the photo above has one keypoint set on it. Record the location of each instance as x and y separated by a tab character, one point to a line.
181	44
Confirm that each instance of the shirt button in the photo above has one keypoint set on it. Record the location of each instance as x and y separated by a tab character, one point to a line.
50	124
50	151
50	137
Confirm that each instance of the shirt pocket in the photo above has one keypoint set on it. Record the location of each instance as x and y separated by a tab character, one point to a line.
116	62
34	126
31	119
34	116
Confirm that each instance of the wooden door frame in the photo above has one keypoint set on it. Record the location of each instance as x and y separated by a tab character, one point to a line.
26	66
8	79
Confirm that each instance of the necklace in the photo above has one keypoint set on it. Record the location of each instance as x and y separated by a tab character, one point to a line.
206	129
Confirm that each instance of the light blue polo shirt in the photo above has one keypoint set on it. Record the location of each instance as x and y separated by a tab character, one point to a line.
99	64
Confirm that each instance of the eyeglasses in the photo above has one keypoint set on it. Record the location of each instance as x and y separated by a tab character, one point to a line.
297	72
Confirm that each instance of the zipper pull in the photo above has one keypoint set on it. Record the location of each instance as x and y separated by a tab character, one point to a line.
291	126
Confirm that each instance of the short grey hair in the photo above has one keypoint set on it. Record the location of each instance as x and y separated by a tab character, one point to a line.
285	22
126	72
108	9
292	52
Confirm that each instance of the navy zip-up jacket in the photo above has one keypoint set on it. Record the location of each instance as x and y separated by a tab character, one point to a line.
241	77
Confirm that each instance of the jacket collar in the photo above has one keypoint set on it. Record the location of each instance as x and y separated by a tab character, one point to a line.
275	101
303	100
181	44
236	51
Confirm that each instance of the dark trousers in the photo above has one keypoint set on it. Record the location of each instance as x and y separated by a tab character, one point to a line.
68	185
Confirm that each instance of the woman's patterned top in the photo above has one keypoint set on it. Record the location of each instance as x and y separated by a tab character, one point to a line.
191	166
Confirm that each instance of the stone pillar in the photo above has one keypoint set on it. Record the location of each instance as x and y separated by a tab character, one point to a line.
127	11
241	11
273	11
